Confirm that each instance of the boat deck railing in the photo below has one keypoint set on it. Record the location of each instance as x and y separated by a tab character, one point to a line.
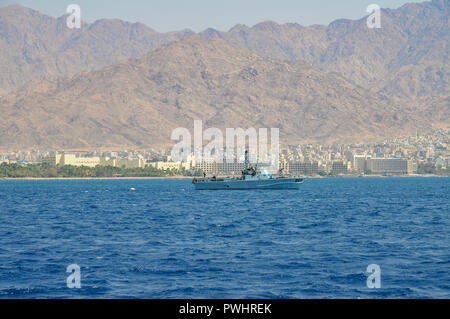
222	179
208	179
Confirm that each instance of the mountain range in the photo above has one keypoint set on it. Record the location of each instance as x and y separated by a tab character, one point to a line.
114	84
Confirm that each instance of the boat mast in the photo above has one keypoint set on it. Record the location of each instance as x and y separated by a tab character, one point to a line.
246	160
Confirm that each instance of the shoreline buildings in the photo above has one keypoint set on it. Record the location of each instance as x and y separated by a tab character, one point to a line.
393	165
398	156
91	161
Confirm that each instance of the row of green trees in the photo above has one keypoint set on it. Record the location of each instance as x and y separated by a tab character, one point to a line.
47	170
428	168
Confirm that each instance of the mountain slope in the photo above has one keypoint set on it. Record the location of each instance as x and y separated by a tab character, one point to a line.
36	46
137	103
415	34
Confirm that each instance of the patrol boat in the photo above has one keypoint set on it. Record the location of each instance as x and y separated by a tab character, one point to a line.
251	178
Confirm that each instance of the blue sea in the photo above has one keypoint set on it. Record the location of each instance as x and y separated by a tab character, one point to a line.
166	240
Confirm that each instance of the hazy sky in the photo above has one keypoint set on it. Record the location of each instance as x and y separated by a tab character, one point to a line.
169	15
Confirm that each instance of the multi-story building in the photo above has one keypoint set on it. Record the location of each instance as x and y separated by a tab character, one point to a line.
207	167
74	160
124	163
224	168
302	168
359	163
387	165
336	167
233	168
412	167
170	165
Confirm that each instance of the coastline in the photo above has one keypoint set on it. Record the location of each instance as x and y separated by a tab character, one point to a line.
89	178
380	176
190	177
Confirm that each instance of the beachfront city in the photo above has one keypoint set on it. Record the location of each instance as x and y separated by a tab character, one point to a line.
412	155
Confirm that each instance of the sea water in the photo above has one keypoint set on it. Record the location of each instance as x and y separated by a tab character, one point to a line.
162	239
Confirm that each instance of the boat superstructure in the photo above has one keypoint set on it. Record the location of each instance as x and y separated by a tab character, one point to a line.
251	178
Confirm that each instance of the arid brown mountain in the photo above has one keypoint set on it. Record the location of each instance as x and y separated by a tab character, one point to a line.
414	35
355	84
36	46
137	103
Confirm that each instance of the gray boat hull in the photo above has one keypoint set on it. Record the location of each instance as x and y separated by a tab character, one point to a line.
275	183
